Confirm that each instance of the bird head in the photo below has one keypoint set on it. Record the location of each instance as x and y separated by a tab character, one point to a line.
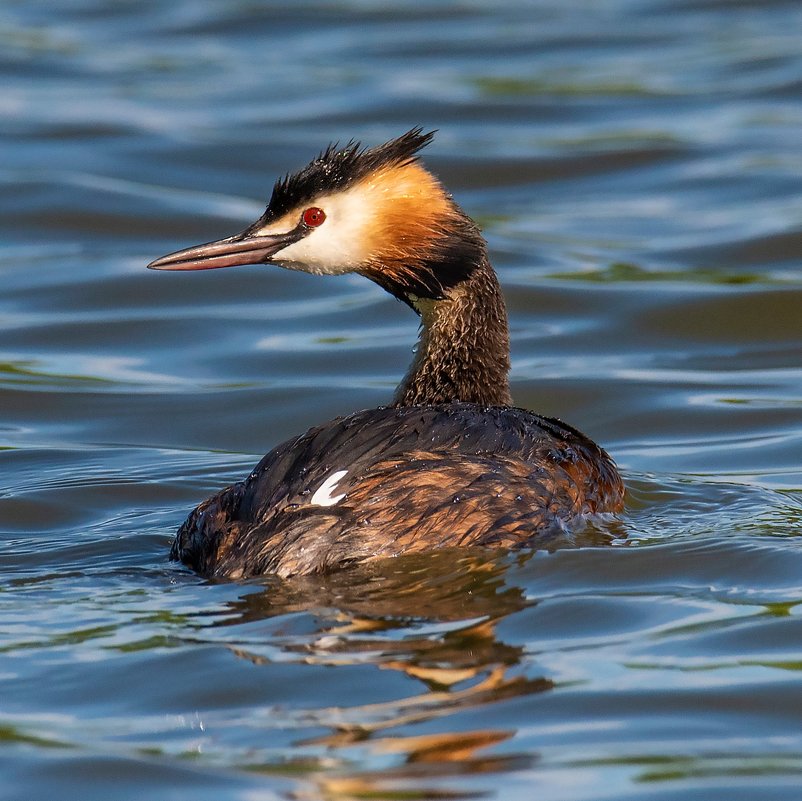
374	211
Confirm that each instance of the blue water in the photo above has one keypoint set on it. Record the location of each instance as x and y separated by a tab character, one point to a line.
636	168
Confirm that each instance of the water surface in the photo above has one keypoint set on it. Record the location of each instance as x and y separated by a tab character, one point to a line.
635	166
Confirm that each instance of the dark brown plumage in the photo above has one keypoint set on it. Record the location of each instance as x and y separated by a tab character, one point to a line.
419	477
451	463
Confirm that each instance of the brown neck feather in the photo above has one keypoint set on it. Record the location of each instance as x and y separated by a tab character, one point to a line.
464	347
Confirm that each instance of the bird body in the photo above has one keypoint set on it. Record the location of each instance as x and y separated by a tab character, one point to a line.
394	480
451	462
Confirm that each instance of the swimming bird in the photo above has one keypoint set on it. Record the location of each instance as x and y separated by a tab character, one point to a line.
450	462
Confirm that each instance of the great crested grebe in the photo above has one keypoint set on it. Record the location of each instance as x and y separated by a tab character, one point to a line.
450	462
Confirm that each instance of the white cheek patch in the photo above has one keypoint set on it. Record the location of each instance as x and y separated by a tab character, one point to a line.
338	245
323	496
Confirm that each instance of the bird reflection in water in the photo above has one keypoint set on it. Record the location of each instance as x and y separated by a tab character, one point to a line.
433	617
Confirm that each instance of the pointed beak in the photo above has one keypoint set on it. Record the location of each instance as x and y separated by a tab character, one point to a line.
239	249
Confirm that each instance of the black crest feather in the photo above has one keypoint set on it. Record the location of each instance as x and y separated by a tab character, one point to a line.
337	168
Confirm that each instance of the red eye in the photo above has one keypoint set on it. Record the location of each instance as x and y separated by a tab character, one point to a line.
313	217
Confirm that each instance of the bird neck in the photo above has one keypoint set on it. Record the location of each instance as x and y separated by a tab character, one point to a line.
464	349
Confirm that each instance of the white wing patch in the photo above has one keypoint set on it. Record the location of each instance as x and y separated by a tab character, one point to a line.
323	496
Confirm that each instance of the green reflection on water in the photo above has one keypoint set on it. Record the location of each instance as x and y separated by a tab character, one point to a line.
620	272
148	644
76	637
565	85
677	768
11	734
28	372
